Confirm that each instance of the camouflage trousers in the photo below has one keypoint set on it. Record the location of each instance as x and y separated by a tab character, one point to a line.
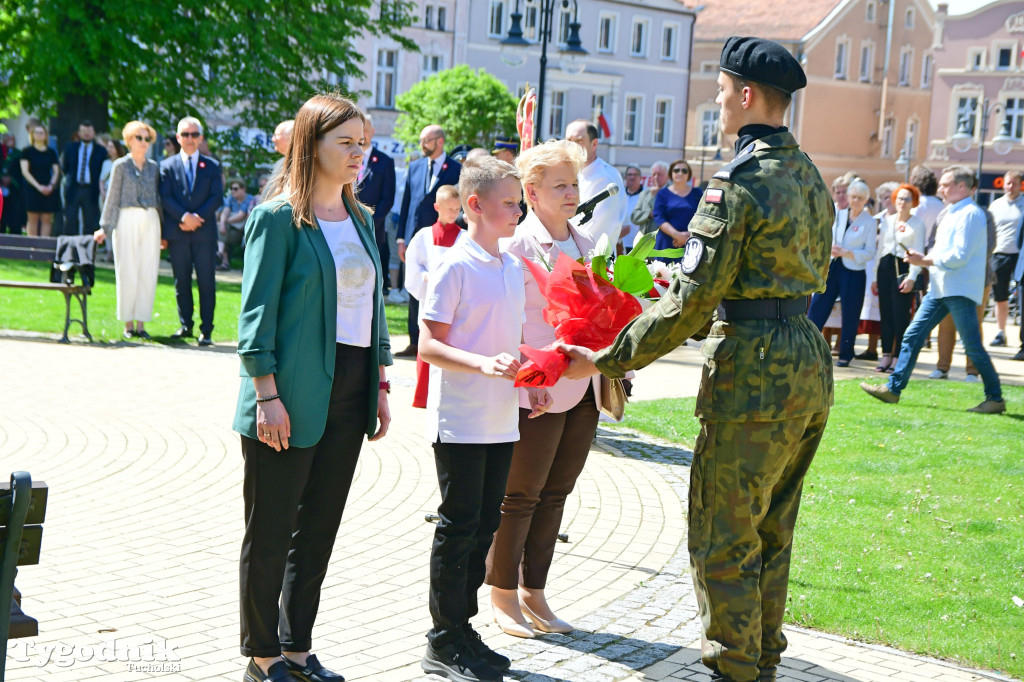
745	486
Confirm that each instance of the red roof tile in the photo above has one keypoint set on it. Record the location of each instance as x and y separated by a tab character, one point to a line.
775	19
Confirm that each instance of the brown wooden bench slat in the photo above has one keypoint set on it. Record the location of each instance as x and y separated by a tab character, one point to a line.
31	544
50	286
36	505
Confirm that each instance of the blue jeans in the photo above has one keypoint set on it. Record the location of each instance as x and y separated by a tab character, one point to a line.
965	316
848	286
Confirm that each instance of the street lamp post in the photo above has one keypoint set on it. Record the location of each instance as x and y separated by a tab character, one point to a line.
573	56
1001	143
903	164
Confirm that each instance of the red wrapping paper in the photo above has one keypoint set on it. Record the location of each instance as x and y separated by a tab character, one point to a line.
584	309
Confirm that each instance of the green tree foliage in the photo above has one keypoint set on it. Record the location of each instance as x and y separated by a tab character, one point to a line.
255	60
473	106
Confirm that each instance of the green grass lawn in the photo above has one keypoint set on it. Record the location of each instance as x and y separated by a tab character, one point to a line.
43	311
911	531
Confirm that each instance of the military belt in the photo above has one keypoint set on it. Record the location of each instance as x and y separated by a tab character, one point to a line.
762	308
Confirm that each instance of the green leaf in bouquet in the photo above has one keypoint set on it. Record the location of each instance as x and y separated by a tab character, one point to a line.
632	276
643	246
599	265
667	253
605	247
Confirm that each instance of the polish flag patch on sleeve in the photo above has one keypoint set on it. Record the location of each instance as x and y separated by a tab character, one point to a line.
713	196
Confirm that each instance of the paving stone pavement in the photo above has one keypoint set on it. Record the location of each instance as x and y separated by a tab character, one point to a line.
145	521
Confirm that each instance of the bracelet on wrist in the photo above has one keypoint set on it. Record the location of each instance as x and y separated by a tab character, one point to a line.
268	398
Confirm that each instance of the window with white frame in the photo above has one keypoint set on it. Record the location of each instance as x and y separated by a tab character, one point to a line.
1002	56
556	116
606	26
432	63
632	121
867	61
662	121
869	11
910	142
908	18
638	40
887	131
965	112
709	127
596	108
387	78
496	19
842	58
669	38
927	66
531	19
428	16
442	18
564	19
1015	117
906	64
976	59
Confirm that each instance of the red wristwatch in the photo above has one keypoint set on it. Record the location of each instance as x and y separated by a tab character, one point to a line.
385	386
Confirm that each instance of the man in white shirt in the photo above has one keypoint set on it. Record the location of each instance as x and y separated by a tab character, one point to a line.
957	265
634	180
1008	212
928	206
610	214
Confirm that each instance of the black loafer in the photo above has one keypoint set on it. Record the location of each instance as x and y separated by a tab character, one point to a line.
143	334
205	340
279	672
183	332
312	671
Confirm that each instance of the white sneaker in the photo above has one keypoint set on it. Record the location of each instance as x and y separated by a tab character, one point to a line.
973	379
938	374
398	297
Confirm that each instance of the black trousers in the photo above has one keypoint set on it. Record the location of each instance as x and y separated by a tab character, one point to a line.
188	254
294	500
848	286
81	198
894	307
472	479
414	321
381	237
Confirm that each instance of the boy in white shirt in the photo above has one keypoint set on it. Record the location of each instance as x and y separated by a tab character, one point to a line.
470	334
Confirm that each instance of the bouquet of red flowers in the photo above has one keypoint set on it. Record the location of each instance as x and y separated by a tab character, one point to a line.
588	305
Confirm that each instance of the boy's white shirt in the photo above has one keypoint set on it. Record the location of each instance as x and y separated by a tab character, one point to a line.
483	299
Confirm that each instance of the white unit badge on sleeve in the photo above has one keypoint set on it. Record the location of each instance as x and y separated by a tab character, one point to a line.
694	252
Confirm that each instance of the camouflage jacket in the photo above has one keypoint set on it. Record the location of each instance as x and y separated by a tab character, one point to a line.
762	230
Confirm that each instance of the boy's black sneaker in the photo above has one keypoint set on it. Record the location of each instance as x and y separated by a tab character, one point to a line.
484	652
457	662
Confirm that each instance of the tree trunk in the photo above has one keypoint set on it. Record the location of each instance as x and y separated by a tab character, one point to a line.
75	109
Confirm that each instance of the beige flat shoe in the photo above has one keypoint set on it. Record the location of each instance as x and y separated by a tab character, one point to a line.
557	625
512	627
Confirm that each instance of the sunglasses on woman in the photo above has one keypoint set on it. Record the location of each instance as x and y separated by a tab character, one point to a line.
235	188
143	138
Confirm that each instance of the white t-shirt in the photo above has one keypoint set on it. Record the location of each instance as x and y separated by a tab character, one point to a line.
483	298
356	276
570	248
421	258
609	215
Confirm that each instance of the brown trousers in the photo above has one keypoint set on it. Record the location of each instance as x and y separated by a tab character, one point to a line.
546	462
947	339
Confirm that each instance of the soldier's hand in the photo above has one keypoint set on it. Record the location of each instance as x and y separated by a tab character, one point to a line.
581	361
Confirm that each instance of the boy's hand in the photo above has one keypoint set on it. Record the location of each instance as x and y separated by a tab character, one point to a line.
540	401
502	365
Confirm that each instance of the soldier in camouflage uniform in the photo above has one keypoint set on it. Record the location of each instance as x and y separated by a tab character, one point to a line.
759	247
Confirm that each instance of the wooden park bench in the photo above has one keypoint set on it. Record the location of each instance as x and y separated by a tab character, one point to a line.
22	511
21	247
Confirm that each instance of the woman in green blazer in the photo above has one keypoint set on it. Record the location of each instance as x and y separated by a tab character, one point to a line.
313	341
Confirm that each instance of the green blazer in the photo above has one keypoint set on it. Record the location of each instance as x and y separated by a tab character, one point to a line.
287	325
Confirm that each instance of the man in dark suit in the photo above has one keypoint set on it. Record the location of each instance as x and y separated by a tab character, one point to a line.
82	163
376	189
191	190
425	175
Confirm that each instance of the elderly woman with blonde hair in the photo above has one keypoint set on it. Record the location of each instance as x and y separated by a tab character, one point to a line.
132	212
553	447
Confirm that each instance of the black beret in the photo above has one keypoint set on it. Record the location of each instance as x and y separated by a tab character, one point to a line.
762	61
